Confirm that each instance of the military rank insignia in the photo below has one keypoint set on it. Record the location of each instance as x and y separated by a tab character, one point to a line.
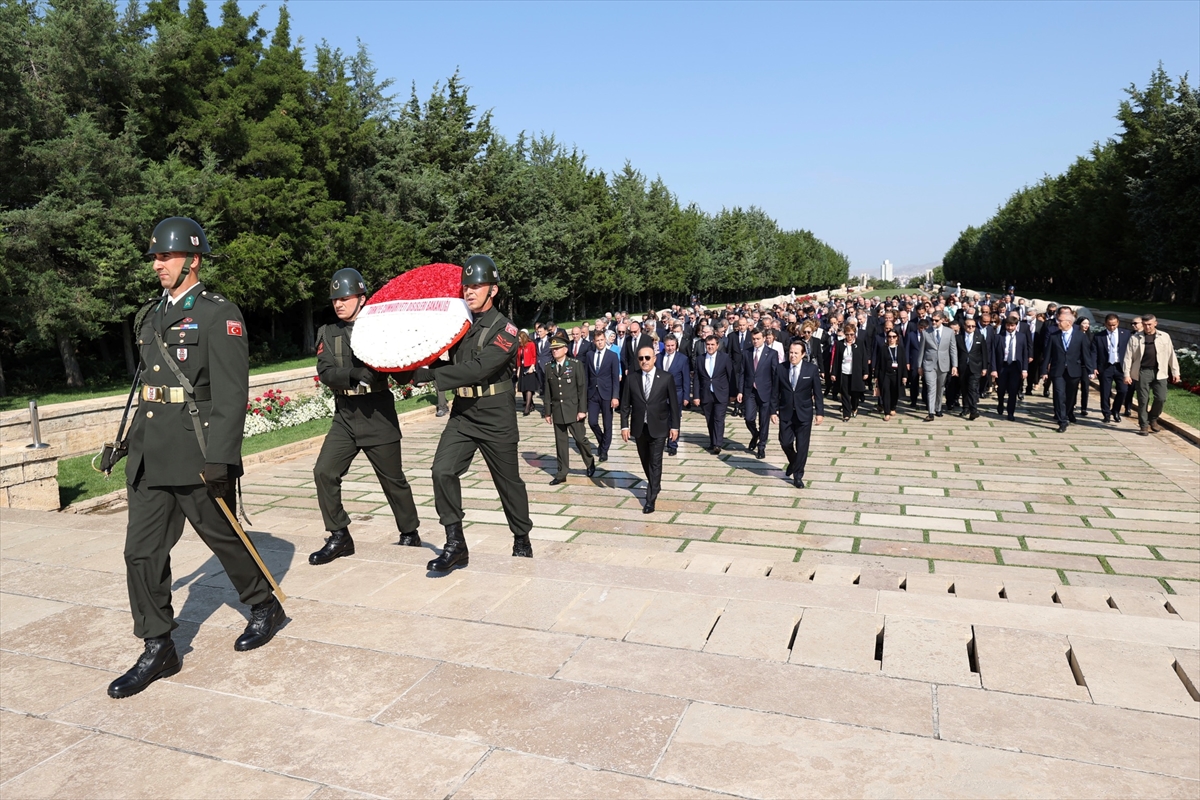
189	302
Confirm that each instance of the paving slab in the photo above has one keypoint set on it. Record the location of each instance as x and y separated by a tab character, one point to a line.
838	639
1133	676
1026	662
928	650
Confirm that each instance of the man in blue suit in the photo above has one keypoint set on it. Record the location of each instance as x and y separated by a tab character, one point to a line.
796	405
604	391
1109	348
676	363
754	390
1010	364
1069	359
713	386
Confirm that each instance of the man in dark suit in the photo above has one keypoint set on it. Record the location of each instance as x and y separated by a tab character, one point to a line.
566	408
713	386
754	391
635	341
650	412
1069	359
1109	348
735	345
671	360
604	391
1039	348
1010	364
796	405
973	363
580	345
911	342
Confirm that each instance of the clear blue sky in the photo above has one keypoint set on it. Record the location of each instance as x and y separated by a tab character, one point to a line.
884	128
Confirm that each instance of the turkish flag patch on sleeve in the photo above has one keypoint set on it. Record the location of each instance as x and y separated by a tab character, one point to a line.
233	327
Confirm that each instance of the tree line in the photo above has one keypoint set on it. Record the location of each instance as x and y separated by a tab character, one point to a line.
111	119
1123	221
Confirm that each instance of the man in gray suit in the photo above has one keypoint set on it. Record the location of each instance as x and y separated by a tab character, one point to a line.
938	360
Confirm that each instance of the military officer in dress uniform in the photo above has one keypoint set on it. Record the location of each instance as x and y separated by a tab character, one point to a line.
364	419
483	417
566	396
195	384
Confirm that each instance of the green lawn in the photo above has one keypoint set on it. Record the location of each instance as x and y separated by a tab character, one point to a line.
78	481
122	386
1183	406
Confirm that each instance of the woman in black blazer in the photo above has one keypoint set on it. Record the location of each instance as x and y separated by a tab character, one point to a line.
891	371
851	372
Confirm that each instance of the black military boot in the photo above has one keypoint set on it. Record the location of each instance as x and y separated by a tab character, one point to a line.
454	554
522	547
337	545
409	540
159	660
266	618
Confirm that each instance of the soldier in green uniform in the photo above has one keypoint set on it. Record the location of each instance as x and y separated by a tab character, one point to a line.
566	398
364	419
483	417
195	384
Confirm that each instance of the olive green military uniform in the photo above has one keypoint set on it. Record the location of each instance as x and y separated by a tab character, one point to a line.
205	337
483	417
364	419
566	394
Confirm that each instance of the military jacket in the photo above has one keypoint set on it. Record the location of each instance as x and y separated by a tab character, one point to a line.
485	356
566	388
205	336
370	418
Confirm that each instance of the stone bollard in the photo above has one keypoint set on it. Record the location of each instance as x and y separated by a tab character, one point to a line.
29	477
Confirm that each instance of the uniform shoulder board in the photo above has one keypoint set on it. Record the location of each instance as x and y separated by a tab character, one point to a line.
213	297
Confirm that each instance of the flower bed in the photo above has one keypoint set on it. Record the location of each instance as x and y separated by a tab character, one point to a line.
1189	368
272	411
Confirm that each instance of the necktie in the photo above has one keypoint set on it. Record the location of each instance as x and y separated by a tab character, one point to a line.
794	369
667	363
599	356
1066	341
647	378
757	353
970	339
937	336
1008	359
1112	347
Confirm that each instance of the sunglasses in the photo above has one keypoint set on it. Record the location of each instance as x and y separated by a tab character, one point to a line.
645	358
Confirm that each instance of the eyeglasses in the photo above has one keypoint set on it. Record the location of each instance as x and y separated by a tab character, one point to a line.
645	358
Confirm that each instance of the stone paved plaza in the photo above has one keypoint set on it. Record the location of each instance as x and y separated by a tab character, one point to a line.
950	609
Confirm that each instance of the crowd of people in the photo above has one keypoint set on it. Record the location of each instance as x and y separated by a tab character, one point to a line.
940	354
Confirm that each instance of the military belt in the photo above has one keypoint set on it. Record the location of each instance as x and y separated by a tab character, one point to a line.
504	387
172	394
360	389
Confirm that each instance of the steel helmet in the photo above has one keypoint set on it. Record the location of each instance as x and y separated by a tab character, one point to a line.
480	269
178	235
346	282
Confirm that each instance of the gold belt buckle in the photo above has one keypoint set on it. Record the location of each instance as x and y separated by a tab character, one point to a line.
155	394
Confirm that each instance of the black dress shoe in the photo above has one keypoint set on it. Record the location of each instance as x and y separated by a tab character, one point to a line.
442	412
557	480
1116	418
1012	418
603	458
798	483
672	452
974	415
454	553
716	451
522	547
1072	420
938	414
409	540
1062	428
591	470
753	443
761	454
1083	413
648	508
265	620
337	545
158	660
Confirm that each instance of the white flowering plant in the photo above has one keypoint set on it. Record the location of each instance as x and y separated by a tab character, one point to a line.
272	411
1189	367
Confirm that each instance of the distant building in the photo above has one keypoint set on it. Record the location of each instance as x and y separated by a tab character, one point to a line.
885	271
